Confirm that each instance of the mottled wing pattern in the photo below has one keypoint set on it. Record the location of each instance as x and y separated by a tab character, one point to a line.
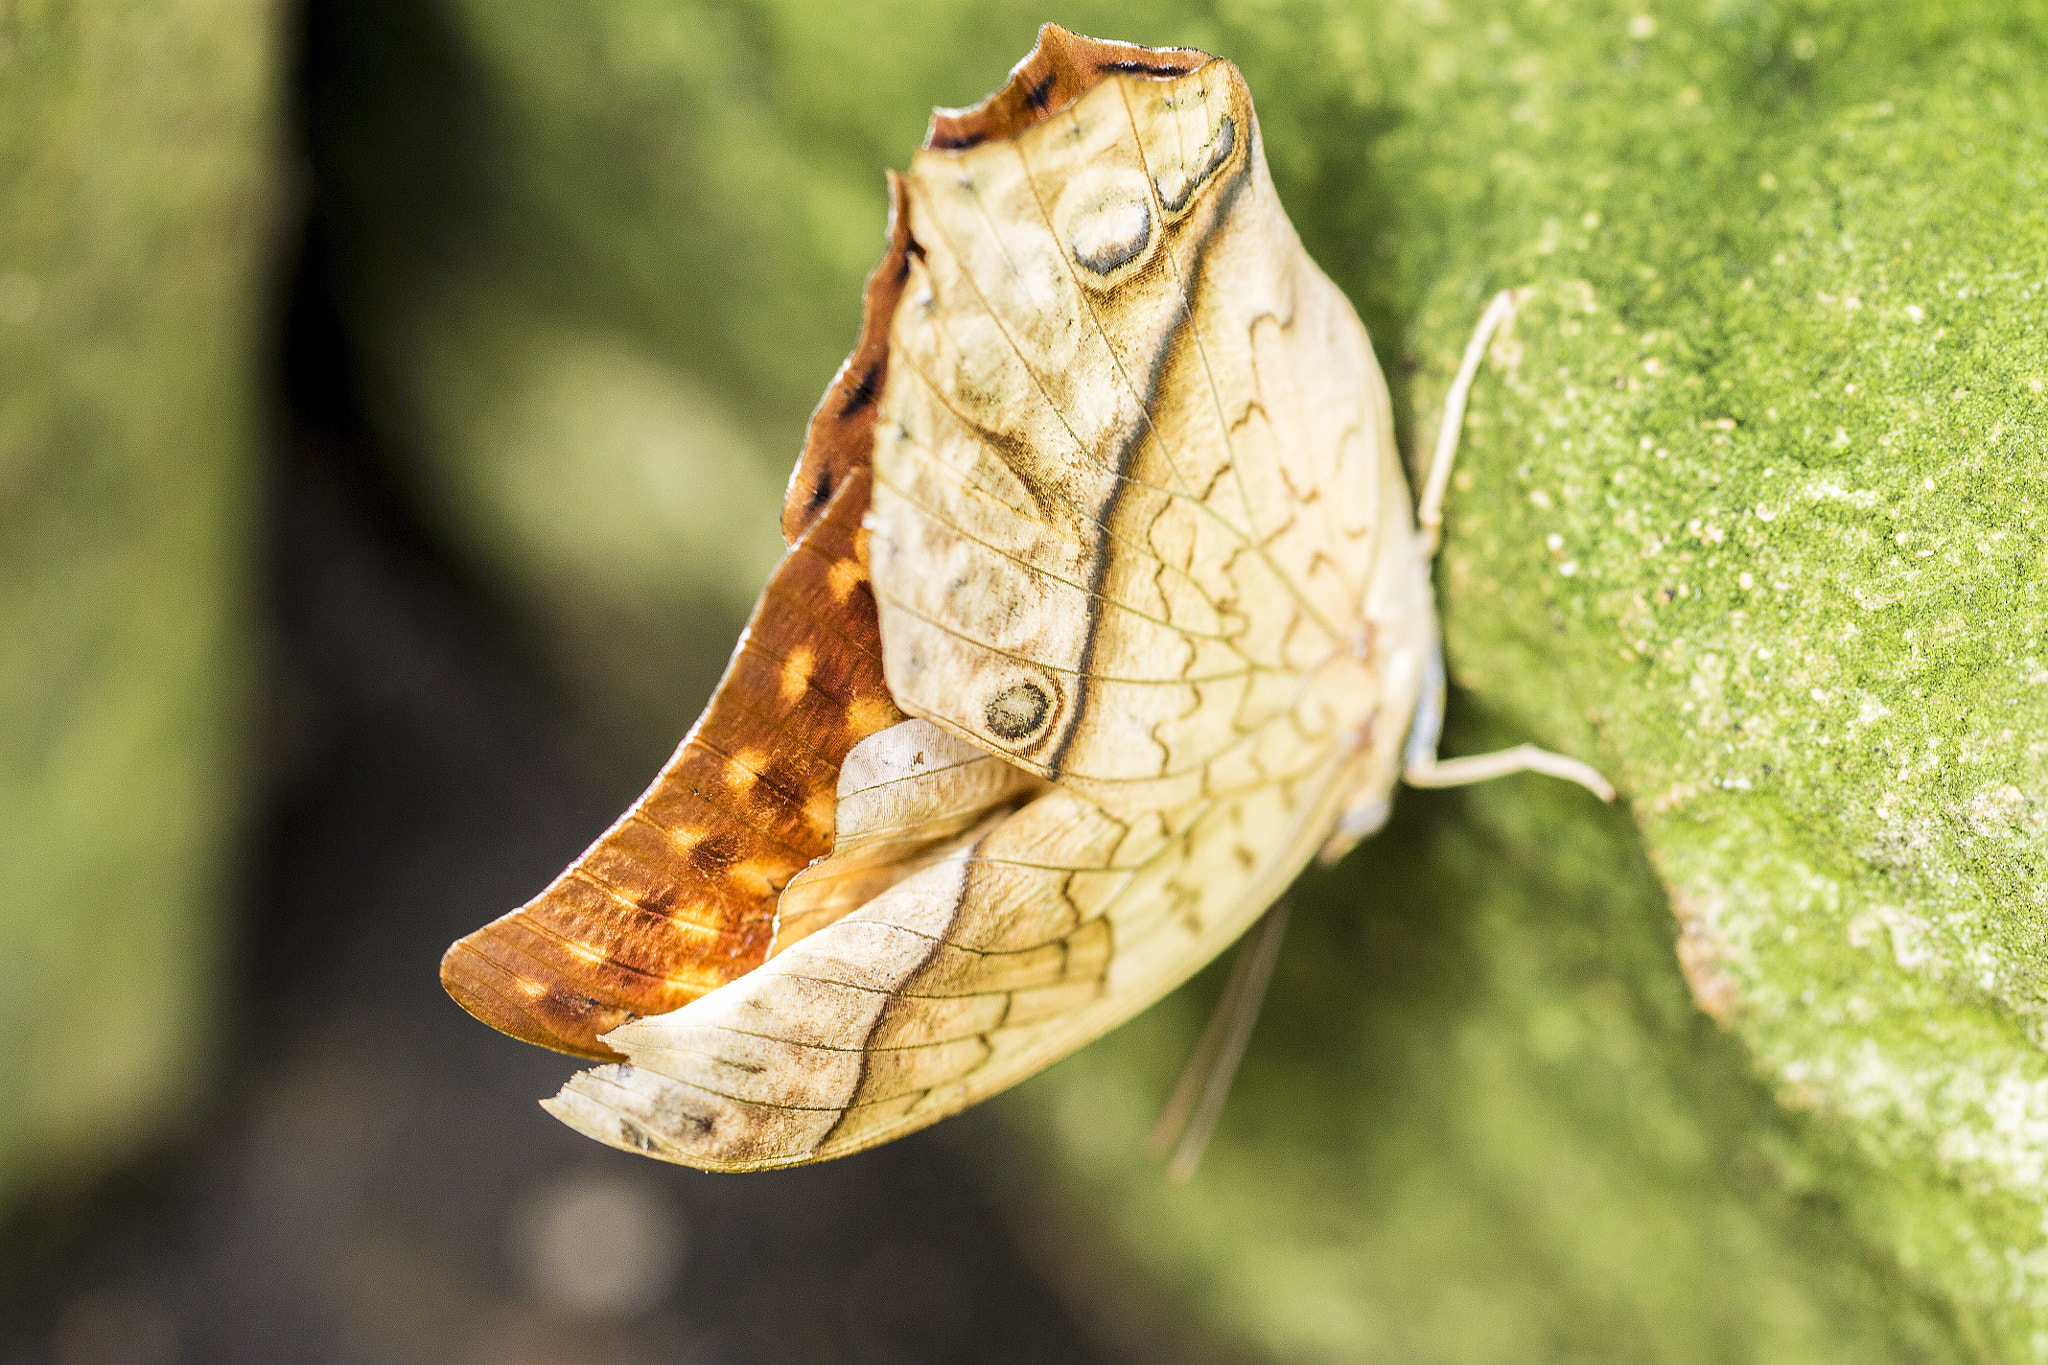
1139	528
679	896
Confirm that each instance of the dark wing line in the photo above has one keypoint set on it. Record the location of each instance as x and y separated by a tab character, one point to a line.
1265	779
980	756
1355	593
959	947
620	895
544	931
1039	384
1243	735
822	1047
736	816
1209	374
734	1099
1088	301
938	222
827	624
776	724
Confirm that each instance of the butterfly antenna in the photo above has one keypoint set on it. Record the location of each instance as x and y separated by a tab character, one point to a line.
1429	513
1184	1126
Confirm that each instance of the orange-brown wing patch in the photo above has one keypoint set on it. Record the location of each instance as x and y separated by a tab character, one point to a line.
1062	67
678	897
841	436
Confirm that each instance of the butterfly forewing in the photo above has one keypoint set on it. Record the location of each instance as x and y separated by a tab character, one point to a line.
679	896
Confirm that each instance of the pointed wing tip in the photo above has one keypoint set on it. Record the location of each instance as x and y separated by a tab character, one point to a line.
622	1105
579	1104
1061	67
488	989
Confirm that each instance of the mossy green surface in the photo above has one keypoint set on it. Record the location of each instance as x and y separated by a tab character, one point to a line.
1751	518
1482	1120
137	153
1746	516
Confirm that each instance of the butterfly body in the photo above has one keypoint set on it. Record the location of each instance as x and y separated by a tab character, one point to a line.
1146	584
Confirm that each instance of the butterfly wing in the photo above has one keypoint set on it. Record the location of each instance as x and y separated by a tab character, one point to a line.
1138	527
909	797
679	895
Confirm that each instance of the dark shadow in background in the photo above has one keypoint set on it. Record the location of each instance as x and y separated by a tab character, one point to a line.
372	1179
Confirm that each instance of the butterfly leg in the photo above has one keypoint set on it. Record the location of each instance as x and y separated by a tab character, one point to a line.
1420	765
1183	1127
1429	512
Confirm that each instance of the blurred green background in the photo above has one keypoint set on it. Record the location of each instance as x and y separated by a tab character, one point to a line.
512	315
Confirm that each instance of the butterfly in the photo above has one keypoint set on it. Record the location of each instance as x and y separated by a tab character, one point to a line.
1105	610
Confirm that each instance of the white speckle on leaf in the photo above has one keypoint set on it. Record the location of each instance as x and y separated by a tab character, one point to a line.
1910	946
2000	812
1828	490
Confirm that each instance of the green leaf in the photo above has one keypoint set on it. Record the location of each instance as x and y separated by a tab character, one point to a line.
138	156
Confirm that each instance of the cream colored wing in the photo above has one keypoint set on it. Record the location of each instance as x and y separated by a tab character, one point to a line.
1138	527
1139	522
1049	926
908	797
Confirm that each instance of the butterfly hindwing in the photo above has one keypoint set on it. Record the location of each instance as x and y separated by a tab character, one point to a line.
908	797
